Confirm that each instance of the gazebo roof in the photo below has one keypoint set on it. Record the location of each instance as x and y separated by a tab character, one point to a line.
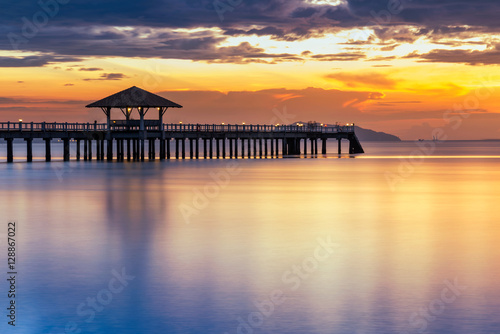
134	97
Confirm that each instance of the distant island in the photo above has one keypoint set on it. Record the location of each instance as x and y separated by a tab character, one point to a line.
370	135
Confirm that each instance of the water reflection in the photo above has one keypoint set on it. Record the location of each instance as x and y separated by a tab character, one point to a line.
216	272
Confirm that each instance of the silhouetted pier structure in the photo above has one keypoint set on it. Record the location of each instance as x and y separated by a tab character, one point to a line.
125	139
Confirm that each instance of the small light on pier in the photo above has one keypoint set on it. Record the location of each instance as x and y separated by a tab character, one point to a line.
180	122
243	123
20	120
222	123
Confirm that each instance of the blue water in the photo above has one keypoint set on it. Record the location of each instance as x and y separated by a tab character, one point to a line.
403	239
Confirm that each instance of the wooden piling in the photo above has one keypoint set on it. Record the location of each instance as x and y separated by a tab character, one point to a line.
167	147
236	148
109	152
29	149
183	143
78	153
47	149
98	150
197	148
249	150
66	149
218	148
10	149
191	148
177	148
211	148
223	148
204	148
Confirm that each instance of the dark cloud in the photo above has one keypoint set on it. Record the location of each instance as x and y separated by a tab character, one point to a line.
88	28
90	69
108	76
475	57
346	56
33	61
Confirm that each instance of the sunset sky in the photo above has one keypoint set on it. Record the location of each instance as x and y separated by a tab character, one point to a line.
403	67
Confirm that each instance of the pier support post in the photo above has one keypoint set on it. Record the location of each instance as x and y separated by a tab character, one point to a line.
78	153
162	149
230	148
236	148
242	148
284	150
10	149
153	148
340	145
142	147
177	148
191	149
265	148
102	149
47	149
211	148
110	149
29	149
90	149
255	148
249	153
305	146
217	143
183	143
277	147
66	149
118	153
85	149
197	148
128	150
134	149
98	149
323	145
223	148
312	145
272	148
167	147
204	148
122	149
260	148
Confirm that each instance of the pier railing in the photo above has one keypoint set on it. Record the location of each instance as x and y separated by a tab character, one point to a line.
153	126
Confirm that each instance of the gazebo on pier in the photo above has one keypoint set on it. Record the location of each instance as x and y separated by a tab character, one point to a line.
134	98
127	100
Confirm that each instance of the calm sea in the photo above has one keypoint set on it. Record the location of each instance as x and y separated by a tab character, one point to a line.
402	239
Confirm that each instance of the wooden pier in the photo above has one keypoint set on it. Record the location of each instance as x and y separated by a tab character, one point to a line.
120	140
179	141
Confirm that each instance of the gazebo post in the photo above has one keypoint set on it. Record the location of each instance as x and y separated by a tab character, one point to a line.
142	131
161	111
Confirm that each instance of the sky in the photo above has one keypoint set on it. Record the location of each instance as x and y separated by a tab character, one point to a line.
406	67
